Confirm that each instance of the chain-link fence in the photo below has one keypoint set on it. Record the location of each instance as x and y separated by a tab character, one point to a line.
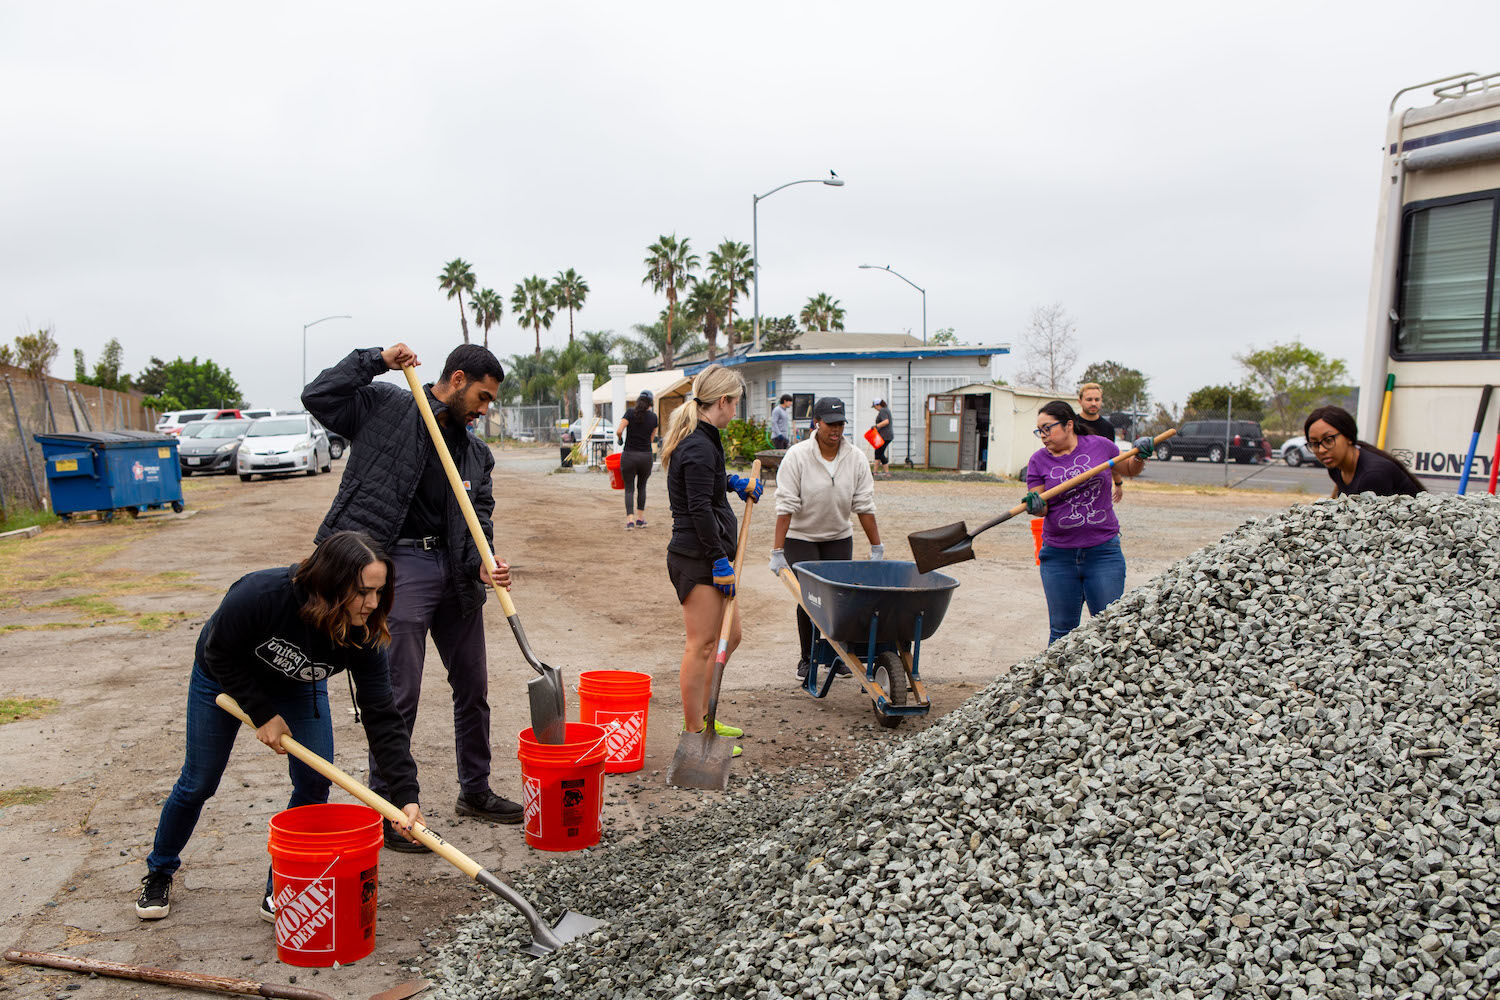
527	423
32	406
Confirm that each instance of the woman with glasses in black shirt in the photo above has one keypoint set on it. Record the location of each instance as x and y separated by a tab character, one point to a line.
1355	466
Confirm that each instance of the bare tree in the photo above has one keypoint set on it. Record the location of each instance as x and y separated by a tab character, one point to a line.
1050	350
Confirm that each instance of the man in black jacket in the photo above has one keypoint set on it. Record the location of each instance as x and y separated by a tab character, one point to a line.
395	490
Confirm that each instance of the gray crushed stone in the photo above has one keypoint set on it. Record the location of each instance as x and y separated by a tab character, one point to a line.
1269	772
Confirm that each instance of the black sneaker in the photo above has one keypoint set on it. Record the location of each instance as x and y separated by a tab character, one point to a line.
841	669
802	667
395	842
488	805
155	900
267	909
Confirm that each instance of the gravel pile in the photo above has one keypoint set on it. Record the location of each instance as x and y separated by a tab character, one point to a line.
1268	772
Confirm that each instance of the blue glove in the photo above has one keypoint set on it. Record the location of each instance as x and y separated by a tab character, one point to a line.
724	576
743	487
1035	505
1144	445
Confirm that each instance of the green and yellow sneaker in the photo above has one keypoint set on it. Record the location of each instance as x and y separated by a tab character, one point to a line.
722	730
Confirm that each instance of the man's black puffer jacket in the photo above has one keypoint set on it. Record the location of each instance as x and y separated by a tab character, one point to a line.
389	446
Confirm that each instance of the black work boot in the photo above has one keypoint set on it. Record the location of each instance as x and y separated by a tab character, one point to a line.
488	805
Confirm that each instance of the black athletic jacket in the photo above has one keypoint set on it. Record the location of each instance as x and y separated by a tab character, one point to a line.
703	523
256	646
389	447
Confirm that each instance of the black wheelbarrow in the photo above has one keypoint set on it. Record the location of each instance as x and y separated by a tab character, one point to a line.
872	616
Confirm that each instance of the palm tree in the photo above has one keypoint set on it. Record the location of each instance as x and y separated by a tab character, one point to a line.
669	265
731	267
569	289
488	307
822	312
532	377
705	307
650	342
457	278
531	303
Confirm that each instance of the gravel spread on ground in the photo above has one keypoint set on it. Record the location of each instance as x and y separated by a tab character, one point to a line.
1269	772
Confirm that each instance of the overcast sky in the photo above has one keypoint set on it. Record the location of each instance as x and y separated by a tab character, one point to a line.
1188	181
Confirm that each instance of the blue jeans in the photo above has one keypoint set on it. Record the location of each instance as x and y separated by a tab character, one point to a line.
1071	577
210	736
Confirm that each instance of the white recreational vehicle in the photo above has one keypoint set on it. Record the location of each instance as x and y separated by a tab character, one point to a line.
1434	318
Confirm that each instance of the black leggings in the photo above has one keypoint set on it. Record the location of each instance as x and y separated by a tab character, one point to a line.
882	454
796	550
635	469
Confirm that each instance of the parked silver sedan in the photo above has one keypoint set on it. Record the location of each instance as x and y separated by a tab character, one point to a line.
210	445
283	446
1296	452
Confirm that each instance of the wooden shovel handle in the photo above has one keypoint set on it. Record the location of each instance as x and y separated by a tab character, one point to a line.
165	977
456	481
728	622
438	845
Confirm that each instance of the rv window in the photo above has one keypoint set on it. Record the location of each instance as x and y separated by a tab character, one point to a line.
1447	279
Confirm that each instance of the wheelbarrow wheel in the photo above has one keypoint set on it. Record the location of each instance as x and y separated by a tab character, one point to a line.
890	674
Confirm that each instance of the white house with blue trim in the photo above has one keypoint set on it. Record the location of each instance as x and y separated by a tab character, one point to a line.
859	369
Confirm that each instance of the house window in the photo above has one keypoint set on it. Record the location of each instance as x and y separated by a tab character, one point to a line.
770	388
802	404
1449	295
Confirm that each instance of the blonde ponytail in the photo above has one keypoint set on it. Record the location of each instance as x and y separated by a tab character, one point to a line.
712	384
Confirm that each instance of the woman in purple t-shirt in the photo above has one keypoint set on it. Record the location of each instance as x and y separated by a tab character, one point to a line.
1081	557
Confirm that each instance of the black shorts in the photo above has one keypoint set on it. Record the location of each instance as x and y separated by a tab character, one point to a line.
686	572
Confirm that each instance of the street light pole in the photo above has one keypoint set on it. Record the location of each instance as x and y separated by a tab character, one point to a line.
887	267
833	180
304	342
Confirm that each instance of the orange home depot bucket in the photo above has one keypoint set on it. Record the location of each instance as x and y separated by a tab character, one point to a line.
612	463
324	862
1036	534
562	787
616	701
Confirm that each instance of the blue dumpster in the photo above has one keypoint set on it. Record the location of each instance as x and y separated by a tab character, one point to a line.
106	471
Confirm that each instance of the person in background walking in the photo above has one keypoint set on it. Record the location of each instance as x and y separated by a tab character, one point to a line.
395	489
819	483
637	429
705	532
1355	466
277	637
1081	557
1090	403
781	423
886	428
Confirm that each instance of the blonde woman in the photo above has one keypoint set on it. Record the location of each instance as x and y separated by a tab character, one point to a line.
704	531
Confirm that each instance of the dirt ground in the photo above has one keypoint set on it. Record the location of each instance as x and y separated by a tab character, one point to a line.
103	618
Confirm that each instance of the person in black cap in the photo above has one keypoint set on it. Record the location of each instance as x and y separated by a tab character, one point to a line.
636	429
885	427
819	483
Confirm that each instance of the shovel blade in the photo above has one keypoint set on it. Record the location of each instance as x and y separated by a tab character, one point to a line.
938	547
702	761
548	713
571	925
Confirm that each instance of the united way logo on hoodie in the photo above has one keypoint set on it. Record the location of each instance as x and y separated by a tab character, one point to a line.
284	657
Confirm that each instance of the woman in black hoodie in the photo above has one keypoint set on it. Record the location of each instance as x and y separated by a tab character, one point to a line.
277	637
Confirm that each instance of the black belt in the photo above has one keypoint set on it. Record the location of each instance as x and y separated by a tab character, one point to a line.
425	544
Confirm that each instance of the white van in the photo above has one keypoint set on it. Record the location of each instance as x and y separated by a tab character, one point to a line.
173	421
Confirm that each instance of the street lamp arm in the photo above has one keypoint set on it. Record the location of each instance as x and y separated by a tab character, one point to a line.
830	181
887	267
324	320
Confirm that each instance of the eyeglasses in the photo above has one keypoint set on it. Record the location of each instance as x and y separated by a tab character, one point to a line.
1323	443
1046	429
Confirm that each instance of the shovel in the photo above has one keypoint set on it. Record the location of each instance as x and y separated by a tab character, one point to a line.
954	543
545	691
172	977
702	759
544	939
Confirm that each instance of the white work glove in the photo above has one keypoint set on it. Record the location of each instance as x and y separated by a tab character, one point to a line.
778	562
877	553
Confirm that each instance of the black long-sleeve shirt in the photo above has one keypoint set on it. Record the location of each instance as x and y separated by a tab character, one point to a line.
703	523
258	648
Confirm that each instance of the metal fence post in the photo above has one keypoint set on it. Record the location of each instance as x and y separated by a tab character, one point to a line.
36	491
1228	426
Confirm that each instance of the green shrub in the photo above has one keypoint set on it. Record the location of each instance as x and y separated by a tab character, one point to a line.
743	438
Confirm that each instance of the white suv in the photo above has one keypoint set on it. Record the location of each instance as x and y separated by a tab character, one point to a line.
173	421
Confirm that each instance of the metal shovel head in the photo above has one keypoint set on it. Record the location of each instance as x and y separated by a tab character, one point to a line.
938	547
571	925
548	713
702	761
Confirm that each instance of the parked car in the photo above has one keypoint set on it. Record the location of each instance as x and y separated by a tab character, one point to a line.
210	445
337	443
283	446
173	421
1210	438
257	414
224	415
1296	452
602	429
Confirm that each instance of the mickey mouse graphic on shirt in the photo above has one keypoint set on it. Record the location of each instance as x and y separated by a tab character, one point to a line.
1081	505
